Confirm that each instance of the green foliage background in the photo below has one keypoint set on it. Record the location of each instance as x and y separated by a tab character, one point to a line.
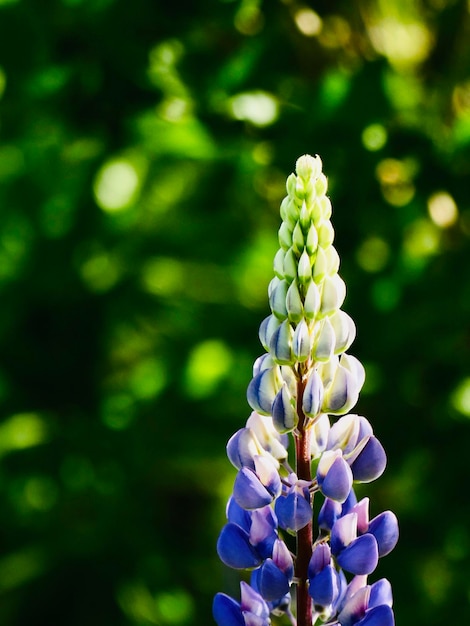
144	146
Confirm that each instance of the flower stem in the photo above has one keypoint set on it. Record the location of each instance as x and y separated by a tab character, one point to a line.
305	534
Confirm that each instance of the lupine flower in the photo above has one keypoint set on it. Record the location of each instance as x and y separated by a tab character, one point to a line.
303	388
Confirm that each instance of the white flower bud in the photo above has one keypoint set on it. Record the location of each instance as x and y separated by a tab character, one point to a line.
278	263
285	236
332	260
290	265
320	266
284	415
280	346
266	330
313	395
311	242
345	330
298	240
304	270
325	342
301	342
305	218
277	299
325	204
326	234
295	310
332	294
312	301
321	185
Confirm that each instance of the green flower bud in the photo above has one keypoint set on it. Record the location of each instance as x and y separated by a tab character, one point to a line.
285	236
332	260
280	346
295	309
291	183
320	266
305	218
284	208
311	242
277	299
308	167
321	185
304	270
312	301
325	204
279	263
325	343
301	342
298	240
326	234
290	265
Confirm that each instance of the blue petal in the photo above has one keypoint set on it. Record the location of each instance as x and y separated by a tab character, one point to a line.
361	555
273	584
234	548
241	447
323	587
238	515
381	593
384	527
370	463
378	616
338	481
248	491
329	513
226	611
321	557
293	511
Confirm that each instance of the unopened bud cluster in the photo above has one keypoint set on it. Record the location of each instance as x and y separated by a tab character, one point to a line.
300	385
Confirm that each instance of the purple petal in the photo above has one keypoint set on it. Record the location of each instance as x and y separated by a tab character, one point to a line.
313	395
384	527
338	481
226	611
381	593
378	616
252	601
283	558
329	513
323	587
321	557
284	414
248	491
293	511
241	448
343	532
370	462
361	556
238	515
272	582
355	607
234	548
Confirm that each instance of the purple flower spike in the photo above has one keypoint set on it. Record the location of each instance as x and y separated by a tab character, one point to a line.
334	476
378	616
360	556
227	611
384	527
370	463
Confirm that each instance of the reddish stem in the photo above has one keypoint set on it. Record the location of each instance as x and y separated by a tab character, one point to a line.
304	535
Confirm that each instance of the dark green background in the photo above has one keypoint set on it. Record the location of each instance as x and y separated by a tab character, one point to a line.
144	147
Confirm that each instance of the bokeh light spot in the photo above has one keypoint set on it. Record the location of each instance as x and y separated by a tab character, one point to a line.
3	78
373	254
116	185
404	44
175	607
163	276
118	411
257	107
41	493
308	22
374	137
249	19
385	294
442	209
460	398
208	363
19	567
21	431
148	379
395	179
421	240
